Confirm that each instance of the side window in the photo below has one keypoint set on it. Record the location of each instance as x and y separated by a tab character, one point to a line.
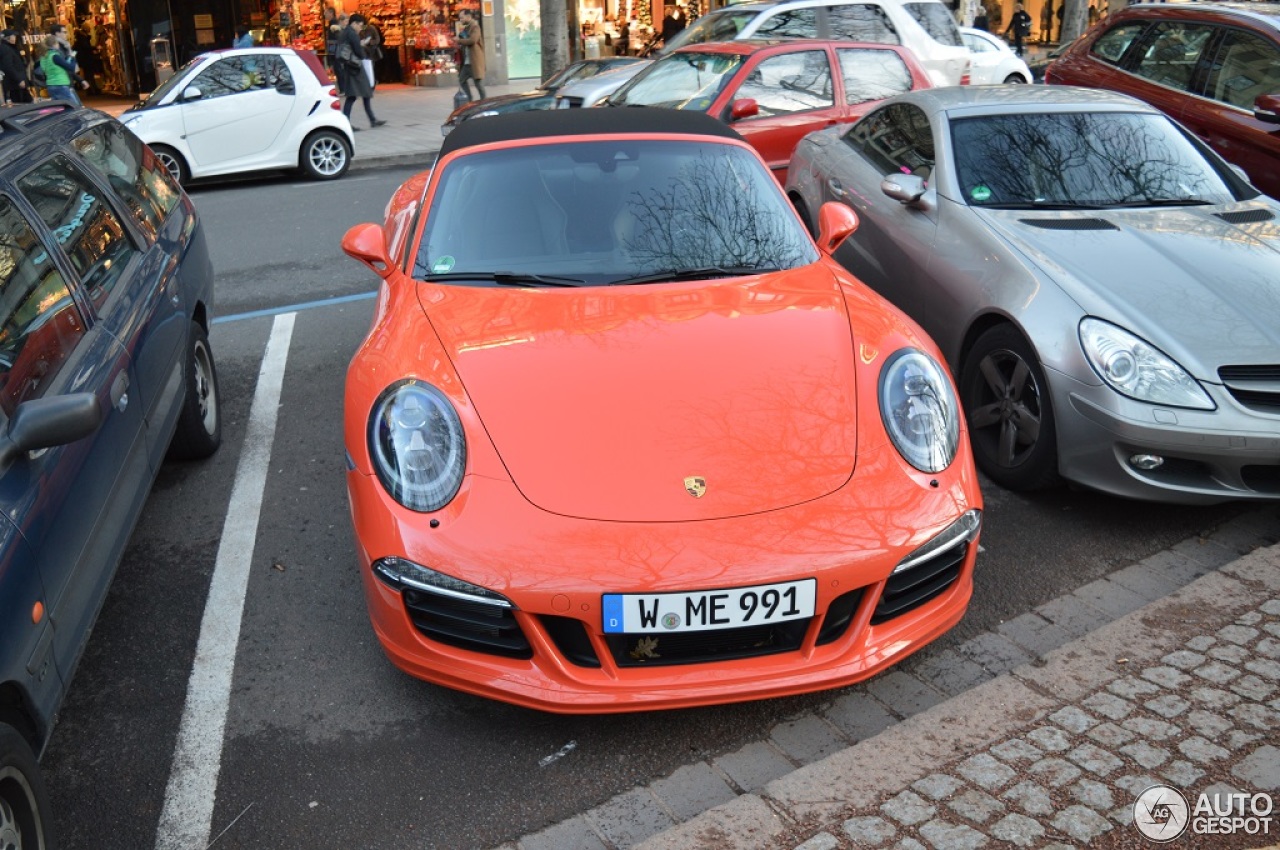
1173	49
133	171
230	76
272	72
1111	45
936	20
791	82
977	44
858	22
796	23
872	74
39	324
897	138
91	235
1244	68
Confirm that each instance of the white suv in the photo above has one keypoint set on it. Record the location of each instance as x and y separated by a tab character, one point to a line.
925	27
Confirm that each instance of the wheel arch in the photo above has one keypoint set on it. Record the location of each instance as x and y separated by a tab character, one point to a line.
17	711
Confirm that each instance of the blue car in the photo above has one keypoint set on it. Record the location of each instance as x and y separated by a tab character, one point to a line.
106	291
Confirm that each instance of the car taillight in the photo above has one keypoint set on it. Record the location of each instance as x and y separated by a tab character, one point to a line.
965	79
333	92
333	104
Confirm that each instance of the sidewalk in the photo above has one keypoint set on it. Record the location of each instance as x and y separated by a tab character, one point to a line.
413	114
1041	733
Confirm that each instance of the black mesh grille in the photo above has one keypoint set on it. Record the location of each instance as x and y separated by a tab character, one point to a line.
1263	479
1256	387
468	625
638	650
1069	223
570	637
911	588
839	615
1245	216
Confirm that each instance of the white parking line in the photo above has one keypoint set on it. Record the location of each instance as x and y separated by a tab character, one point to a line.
187	818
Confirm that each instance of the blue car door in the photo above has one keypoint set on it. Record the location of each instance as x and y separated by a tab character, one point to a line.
75	503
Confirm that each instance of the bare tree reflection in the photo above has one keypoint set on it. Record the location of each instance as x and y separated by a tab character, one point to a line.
1080	158
712	212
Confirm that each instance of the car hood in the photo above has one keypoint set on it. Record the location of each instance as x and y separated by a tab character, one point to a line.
499	101
606	403
1200	283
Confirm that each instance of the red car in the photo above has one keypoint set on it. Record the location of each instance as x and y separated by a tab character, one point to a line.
774	93
1213	67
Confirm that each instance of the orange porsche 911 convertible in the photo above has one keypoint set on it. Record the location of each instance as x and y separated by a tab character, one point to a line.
622	436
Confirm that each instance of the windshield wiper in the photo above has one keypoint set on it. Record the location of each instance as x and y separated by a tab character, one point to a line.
509	278
1045	205
1165	202
693	274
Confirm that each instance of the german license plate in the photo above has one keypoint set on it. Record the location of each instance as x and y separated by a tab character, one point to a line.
704	610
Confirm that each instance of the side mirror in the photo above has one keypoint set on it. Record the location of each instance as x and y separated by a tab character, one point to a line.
1267	108
42	423
191	93
907	188
745	108
365	243
835	223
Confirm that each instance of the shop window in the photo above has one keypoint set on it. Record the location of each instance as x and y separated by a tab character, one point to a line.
39	323
791	82
89	233
138	178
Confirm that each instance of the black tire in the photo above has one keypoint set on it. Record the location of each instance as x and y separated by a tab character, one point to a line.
199	430
173	163
803	210
1009	411
325	155
24	803
1013	79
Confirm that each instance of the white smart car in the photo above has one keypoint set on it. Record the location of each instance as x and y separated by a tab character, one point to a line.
991	59
232	111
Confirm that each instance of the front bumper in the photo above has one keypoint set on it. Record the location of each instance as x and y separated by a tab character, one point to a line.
1213	456
555	569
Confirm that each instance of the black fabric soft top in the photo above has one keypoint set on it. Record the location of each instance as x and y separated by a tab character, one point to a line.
582	122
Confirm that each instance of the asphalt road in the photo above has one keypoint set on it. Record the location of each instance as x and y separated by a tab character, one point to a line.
326	745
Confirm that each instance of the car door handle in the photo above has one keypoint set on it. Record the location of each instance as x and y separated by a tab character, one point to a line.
120	391
835	188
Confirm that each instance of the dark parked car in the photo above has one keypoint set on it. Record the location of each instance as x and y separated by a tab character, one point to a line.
543	97
1215	67
105	369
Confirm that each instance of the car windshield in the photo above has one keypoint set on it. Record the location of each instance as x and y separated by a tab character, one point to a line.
717	26
680	81
1081	159
179	78
601	212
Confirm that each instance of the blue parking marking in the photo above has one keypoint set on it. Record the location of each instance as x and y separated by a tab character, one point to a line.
293	308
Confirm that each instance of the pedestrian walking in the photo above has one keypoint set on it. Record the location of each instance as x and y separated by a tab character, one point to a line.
471	47
61	72
17	88
352	78
1020	26
371	38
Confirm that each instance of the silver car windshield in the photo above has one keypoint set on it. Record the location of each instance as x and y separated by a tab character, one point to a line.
1081	160
603	212
680	81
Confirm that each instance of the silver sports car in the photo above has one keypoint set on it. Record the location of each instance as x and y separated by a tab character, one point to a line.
1106	288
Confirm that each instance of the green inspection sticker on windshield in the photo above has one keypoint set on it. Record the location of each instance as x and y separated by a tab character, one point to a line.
980	193
443	264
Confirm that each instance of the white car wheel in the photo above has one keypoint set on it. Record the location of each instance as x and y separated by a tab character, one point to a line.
325	155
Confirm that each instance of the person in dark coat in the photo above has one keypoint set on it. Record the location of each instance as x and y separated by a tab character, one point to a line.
352	78
1020	26
17	88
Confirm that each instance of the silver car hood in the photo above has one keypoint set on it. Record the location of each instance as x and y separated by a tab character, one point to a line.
1204	289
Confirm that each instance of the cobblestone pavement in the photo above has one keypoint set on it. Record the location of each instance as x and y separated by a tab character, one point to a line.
1039	734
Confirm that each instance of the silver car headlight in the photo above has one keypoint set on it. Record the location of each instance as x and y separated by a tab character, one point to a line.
1137	369
919	410
417	445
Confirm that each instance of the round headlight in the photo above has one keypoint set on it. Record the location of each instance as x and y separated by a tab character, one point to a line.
417	445
1135	368
919	410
